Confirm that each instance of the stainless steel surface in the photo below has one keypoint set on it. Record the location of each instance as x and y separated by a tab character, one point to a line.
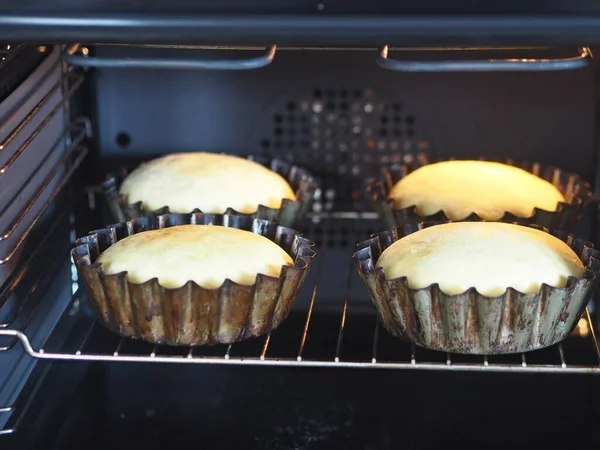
78	55
7	410
317	23
322	48
583	59
72	151
76	84
72	56
553	360
43	150
76	153
23	403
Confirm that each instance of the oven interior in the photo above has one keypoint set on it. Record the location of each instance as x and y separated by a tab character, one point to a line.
330	376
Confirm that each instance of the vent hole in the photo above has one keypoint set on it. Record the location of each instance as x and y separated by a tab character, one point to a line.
123	140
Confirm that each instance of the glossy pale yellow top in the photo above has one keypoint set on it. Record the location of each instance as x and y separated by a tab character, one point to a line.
460	188
490	256
206	254
207	181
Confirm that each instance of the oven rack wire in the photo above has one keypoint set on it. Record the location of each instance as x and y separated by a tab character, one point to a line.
556	359
296	359
79	55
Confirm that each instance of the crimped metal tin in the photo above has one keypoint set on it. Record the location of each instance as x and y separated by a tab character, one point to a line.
192	315
471	323
576	191
288	215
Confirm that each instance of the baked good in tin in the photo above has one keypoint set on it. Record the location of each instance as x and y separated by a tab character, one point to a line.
460	188
208	182
204	254
487	256
193	279
478	287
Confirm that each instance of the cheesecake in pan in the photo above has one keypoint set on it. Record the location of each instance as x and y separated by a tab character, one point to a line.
478	287
477	190
193	279
212	183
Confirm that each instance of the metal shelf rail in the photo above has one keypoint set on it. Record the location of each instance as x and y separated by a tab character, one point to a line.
333	22
385	352
78	55
43	190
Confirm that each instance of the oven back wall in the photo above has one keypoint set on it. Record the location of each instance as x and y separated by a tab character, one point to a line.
341	115
308	104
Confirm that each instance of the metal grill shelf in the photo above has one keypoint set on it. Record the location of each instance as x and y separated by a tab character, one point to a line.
351	338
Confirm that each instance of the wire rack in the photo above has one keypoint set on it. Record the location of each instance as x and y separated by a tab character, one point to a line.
352	338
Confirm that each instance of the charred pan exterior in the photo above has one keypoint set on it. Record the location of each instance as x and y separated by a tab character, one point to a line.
192	315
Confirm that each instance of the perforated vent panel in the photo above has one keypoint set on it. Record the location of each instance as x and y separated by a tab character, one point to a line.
343	135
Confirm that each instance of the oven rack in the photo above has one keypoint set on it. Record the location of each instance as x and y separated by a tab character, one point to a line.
510	59
310	339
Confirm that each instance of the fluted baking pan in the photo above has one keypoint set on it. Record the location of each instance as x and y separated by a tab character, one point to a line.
192	315
577	193
471	323
289	214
